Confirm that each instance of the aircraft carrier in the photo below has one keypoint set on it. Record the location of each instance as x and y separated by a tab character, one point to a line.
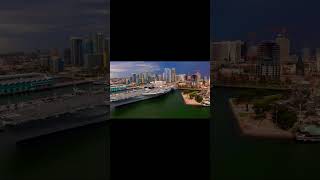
45	108
132	96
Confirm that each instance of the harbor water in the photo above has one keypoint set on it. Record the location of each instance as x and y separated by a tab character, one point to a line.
170	105
79	153
238	157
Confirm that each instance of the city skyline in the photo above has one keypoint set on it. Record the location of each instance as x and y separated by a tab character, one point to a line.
49	24
125	69
235	20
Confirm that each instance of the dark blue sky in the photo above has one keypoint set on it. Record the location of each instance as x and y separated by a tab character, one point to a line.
126	68
43	24
234	19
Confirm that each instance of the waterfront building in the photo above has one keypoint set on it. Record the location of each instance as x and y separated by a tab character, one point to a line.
44	58
252	54
167	75
99	43
181	77
268	57
228	52
158	83
173	75
284	45
194	80
94	52
188	78
56	64
77	51
198	76
134	78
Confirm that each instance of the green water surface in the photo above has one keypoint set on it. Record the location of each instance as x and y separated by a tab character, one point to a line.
170	105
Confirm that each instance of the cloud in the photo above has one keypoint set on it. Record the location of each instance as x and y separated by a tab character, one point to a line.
47	20
124	69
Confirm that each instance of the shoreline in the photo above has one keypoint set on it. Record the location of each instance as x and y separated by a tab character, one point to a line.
188	101
248	129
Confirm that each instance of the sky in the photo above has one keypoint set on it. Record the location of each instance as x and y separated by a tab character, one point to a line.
45	24
120	69
234	19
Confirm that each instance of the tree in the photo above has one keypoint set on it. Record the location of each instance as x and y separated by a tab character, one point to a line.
199	98
284	118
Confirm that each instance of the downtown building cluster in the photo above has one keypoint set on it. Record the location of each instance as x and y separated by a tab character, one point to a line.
88	54
269	60
168	76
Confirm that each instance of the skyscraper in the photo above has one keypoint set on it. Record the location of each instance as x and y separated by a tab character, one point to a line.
134	78
76	51
318	59
268	57
167	74
284	45
67	56
99	43
227	51
306	54
173	75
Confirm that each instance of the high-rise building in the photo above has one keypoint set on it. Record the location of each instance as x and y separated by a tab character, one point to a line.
77	51
181	77
134	78
198	76
56	64
173	75
99	43
300	67
167	75
284	45
268	57
227	51
306	54
318	59
67	56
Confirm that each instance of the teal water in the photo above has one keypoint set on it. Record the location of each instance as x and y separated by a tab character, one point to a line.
237	157
170	105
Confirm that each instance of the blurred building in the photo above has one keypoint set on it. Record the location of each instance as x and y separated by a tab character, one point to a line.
284	45
77	53
268	57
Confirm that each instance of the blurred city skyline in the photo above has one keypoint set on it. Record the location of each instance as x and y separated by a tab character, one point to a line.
263	19
125	68
44	24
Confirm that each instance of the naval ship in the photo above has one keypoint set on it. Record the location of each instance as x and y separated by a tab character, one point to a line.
137	95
